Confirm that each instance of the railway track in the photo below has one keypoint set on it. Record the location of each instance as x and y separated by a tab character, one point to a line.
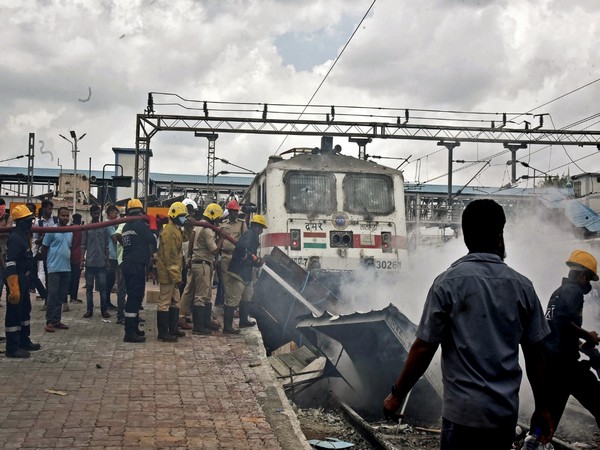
387	436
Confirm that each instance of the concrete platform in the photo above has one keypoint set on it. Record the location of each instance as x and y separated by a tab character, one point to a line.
214	392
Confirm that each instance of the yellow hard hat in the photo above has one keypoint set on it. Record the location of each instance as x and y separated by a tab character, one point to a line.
257	218
213	211
20	212
581	258
134	203
177	209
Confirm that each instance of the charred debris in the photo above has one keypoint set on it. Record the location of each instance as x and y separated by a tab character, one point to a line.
318	354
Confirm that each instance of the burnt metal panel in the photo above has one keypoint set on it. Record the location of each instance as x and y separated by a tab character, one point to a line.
276	308
369	351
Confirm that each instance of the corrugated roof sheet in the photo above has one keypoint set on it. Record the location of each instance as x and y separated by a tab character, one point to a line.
578	214
44	172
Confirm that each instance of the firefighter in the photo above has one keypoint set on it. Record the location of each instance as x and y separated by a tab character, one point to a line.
231	284
138	244
201	256
240	269
19	262
169	261
567	374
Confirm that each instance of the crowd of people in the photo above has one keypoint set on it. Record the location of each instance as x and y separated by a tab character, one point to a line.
184	248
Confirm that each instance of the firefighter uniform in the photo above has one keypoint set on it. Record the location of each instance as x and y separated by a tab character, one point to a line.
232	284
138	243
241	269
19	262
169	262
199	284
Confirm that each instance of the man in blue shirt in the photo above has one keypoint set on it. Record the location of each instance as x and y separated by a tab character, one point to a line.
480	310
56	251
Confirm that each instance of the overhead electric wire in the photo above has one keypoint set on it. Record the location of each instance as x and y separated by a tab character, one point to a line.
15	157
332	66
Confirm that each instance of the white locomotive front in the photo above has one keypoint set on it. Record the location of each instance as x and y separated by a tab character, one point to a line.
332	213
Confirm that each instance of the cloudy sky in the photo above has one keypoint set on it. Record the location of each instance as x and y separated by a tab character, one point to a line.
89	65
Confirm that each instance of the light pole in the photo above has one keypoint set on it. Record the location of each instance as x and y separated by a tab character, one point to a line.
74	150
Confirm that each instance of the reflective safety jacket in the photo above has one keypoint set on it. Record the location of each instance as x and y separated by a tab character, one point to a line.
19	259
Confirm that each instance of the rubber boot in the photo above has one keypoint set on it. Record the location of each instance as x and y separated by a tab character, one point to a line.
30	346
162	324
137	327
130	331
212	324
198	320
183	324
19	353
245	322
174	323
228	320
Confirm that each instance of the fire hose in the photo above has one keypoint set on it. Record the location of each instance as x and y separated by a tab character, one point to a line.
96	225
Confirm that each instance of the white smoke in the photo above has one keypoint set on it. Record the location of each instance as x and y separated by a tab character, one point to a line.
536	247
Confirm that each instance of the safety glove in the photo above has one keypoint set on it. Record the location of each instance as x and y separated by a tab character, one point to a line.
13	286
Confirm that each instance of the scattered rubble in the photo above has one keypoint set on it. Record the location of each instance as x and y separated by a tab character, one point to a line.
321	424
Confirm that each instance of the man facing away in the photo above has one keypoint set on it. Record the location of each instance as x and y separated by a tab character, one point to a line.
480	310
138	244
56	251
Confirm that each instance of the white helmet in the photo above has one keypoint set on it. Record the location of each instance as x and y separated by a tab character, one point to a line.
189	201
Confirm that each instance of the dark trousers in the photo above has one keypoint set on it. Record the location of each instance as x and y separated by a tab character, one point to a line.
111	277
58	289
572	378
74	283
37	283
135	282
98	274
121	293
16	321
184	273
460	437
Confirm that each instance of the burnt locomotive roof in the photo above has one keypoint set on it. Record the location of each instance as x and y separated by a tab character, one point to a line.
330	163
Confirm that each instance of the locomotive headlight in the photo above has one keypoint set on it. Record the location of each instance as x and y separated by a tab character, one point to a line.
386	242
340	239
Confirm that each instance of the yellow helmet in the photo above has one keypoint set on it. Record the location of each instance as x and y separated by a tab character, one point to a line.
257	218
177	209
20	212
213	211
134	203
580	258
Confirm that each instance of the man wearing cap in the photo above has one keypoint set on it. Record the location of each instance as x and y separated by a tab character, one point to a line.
19	261
567	375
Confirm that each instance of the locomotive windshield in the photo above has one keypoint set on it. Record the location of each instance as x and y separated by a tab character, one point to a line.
367	193
307	192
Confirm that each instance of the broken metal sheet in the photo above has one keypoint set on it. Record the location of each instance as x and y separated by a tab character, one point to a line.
283	292
330	443
369	350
